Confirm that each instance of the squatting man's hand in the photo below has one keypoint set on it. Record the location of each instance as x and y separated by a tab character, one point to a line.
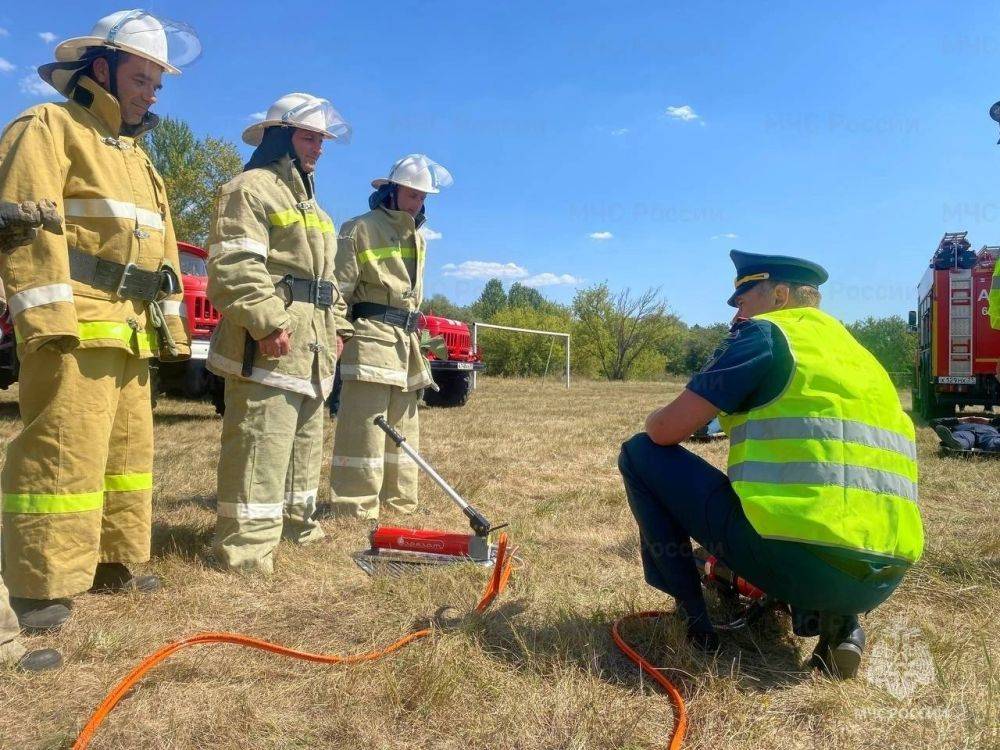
276	344
340	349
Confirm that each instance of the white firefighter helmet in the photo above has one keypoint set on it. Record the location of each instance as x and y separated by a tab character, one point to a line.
418	172
301	111
169	44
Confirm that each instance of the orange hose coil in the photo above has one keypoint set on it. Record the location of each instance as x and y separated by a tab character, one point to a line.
498	582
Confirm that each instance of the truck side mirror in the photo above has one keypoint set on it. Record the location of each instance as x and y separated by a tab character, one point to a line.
913	320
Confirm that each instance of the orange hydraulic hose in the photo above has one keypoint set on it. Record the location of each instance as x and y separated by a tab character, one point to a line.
498	582
680	712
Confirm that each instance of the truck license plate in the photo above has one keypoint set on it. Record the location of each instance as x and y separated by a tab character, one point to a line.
463	365
957	380
199	349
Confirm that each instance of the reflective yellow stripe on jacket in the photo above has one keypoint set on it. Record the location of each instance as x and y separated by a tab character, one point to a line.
294	216
383	253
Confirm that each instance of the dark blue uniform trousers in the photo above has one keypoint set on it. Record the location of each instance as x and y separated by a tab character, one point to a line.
982	436
676	495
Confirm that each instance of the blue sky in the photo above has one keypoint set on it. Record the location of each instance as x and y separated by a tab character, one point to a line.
619	141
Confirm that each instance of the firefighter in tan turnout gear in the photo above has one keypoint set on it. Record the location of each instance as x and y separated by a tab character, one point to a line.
270	275
380	269
89	307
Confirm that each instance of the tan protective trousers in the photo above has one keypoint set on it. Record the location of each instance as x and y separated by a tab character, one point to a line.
272	449
367	467
10	649
77	483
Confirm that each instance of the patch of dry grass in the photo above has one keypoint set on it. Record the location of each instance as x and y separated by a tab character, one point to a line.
539	670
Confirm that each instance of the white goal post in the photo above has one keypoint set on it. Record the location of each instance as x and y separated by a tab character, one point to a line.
475	341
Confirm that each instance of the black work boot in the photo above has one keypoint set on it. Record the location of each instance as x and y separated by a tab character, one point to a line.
41	660
841	643
700	631
947	439
115	578
40	615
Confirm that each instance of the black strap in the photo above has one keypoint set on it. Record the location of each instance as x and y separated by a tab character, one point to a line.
408	320
318	292
125	280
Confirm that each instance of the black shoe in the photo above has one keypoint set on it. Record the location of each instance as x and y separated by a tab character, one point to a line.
41	660
805	622
40	615
705	641
947	439
115	578
841	644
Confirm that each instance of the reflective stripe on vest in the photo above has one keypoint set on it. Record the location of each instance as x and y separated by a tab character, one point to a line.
292	216
832	460
382	253
994	298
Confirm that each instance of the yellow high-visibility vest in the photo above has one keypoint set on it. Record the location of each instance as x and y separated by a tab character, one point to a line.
832	460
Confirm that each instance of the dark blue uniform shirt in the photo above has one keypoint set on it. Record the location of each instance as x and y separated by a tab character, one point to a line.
750	368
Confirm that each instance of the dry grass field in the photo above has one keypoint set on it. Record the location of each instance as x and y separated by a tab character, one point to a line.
538	670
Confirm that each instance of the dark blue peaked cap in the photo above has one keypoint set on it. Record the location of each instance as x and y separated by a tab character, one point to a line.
754	267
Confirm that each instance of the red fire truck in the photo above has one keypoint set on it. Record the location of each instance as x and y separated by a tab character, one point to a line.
957	350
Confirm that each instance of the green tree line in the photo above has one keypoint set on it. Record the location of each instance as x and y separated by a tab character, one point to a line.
624	335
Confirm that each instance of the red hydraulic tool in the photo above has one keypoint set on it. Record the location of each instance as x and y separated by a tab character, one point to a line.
396	549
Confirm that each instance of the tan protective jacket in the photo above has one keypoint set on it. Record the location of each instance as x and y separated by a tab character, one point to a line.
376	255
265	227
115	206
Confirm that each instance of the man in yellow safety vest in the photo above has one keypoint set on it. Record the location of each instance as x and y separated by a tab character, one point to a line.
818	506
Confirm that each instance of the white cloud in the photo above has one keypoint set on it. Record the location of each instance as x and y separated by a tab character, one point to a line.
484	269
32	85
257	116
47	36
600	235
550	279
430	234
725	236
683	113
6	66
620	131
4	32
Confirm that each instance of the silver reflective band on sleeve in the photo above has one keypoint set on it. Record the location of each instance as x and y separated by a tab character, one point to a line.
393	457
105	208
267	377
839	475
174	307
250	511
237	244
823	428
39	295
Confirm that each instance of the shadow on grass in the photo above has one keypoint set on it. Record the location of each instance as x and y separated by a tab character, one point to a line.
183	418
9	411
760	658
188	541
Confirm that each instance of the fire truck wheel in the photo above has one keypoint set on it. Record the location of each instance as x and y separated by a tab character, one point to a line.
455	388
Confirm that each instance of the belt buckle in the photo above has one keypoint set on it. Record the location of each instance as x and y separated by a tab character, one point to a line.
322	293
123	282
